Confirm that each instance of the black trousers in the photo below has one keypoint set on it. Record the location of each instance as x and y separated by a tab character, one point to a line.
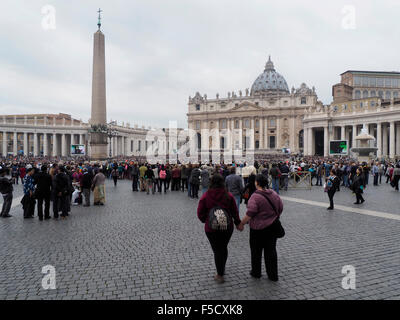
176	184
46	200
165	183
331	194
7	197
194	189
263	240
60	204
115	178
359	197
135	183
29	208
184	183
219	244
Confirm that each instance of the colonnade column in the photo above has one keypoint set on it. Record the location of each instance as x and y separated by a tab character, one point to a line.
63	145
385	140
35	144
343	133
398	139
353	137
15	144
326	141
45	145
55	145
379	139
4	143
310	141
26	151
392	141
261	142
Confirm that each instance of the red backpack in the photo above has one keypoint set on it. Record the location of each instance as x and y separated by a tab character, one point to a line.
163	174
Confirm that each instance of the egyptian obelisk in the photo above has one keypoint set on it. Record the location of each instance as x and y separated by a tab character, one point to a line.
98	121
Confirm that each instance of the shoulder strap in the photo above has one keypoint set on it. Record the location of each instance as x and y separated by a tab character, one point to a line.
270	203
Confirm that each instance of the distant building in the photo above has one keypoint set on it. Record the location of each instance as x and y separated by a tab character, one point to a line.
269	110
362	98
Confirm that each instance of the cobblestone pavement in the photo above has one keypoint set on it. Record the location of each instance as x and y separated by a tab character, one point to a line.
142	246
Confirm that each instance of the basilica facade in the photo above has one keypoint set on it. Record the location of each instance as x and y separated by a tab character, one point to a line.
268	118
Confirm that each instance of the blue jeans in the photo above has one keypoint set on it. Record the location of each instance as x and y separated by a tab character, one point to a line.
237	198
275	185
189	188
346	180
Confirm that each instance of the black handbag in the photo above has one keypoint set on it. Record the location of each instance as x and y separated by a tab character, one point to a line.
276	226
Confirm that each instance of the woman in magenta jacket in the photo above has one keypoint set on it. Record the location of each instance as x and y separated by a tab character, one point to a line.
217	195
260	215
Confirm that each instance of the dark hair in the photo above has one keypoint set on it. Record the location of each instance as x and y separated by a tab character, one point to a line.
217	181
261	180
44	168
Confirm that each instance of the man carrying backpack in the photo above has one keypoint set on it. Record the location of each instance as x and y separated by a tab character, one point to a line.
6	190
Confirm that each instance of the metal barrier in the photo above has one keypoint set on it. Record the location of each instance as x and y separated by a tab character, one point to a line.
300	180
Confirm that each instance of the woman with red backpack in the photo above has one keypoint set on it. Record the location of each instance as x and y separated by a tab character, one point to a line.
218	211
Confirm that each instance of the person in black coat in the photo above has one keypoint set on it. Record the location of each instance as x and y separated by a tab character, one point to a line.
43	192
86	184
195	181
358	185
62	193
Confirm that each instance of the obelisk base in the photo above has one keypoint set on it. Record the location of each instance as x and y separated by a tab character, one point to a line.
98	146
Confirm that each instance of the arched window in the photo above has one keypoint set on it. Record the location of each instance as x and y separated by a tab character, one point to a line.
388	95
222	144
373	93
357	94
395	94
380	94
303	100
365	94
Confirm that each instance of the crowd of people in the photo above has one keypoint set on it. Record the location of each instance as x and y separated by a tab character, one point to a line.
223	188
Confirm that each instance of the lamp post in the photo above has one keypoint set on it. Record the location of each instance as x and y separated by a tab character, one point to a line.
111	132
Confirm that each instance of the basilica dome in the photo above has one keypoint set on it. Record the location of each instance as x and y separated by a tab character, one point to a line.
269	82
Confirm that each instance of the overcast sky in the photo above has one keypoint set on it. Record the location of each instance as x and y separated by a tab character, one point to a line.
158	53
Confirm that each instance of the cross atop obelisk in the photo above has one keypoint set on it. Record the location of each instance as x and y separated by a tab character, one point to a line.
99	21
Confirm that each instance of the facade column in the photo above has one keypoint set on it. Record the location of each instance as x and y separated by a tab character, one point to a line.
123	145
385	140
241	135
278	136
26	151
261	135
392	141
35	144
252	133
379	139
81	140
15	144
326	141
343	133
73	139
63	145
45	145
398	139
265	133
354	134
